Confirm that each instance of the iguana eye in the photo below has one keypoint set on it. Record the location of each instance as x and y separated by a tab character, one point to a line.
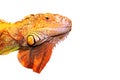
30	40
47	18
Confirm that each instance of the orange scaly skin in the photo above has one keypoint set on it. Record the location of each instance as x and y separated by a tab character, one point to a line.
34	37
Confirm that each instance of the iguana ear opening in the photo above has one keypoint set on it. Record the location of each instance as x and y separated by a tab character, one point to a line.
36	57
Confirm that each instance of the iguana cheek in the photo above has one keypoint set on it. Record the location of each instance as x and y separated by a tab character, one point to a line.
30	40
36	39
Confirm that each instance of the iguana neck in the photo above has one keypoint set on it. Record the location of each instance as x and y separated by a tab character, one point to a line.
7	42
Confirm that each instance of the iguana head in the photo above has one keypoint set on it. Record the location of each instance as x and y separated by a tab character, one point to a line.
42	27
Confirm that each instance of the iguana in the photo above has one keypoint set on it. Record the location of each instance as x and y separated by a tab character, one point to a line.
34	37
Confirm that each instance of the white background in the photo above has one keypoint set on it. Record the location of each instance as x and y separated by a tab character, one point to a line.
90	52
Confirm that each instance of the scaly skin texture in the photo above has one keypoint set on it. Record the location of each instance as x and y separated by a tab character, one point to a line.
34	37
